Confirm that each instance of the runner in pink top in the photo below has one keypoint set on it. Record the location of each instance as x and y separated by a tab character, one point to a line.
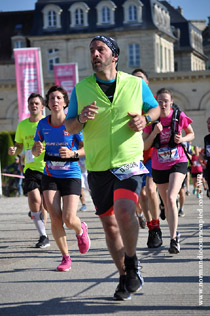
158	161
169	162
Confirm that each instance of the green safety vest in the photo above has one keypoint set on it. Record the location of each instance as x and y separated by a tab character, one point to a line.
108	141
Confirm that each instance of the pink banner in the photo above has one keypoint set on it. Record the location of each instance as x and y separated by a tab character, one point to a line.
28	68
66	76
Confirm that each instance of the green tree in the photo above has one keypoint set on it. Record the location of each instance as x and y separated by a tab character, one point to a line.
6	140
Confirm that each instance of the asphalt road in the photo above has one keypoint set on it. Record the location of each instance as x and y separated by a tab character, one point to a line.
31	286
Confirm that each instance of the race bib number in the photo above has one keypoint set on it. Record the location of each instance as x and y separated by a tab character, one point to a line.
59	165
129	170
196	163
29	156
208	151
166	154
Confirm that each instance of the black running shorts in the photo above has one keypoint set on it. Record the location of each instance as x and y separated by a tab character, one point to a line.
106	188
162	176
32	181
66	186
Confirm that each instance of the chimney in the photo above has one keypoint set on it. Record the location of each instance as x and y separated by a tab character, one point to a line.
180	10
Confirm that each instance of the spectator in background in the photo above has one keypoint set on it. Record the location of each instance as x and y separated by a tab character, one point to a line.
15	168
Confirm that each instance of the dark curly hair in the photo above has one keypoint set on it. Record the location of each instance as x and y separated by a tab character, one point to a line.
60	89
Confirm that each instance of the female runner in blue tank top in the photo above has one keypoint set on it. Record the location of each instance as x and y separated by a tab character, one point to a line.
62	175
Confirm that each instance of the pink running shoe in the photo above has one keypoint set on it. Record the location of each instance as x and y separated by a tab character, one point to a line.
83	240
65	264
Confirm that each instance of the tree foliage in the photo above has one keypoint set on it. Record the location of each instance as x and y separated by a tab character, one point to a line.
6	140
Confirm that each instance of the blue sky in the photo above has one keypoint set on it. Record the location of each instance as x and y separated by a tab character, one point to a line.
192	9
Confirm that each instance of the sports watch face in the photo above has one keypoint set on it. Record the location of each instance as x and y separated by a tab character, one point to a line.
76	155
148	119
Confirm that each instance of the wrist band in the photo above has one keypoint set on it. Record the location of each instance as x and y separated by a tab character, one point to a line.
79	120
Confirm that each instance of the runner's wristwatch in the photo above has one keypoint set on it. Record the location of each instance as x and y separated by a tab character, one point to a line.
148	119
76	155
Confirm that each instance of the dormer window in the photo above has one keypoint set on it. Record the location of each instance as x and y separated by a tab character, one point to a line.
18	41
52	22
79	14
161	17
132	11
52	17
105	12
105	15
79	17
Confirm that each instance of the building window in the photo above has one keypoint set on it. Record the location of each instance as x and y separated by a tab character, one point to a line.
161	57
105	12
134	55
105	15
53	58
169	60
80	57
166	60
52	17
52	22
158	54
19	44
52	50
52	62
132	11
79	17
79	14
161	16
18	41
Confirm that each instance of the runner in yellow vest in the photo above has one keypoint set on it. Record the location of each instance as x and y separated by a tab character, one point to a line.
108	106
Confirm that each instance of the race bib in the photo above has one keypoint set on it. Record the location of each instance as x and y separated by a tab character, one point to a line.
59	165
29	156
166	154
196	163
129	170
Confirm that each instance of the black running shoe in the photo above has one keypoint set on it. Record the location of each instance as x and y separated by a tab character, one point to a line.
154	238
43	242
121	293
175	244
133	280
162	212
181	213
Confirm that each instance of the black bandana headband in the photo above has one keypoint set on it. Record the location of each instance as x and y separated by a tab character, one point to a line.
110	42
